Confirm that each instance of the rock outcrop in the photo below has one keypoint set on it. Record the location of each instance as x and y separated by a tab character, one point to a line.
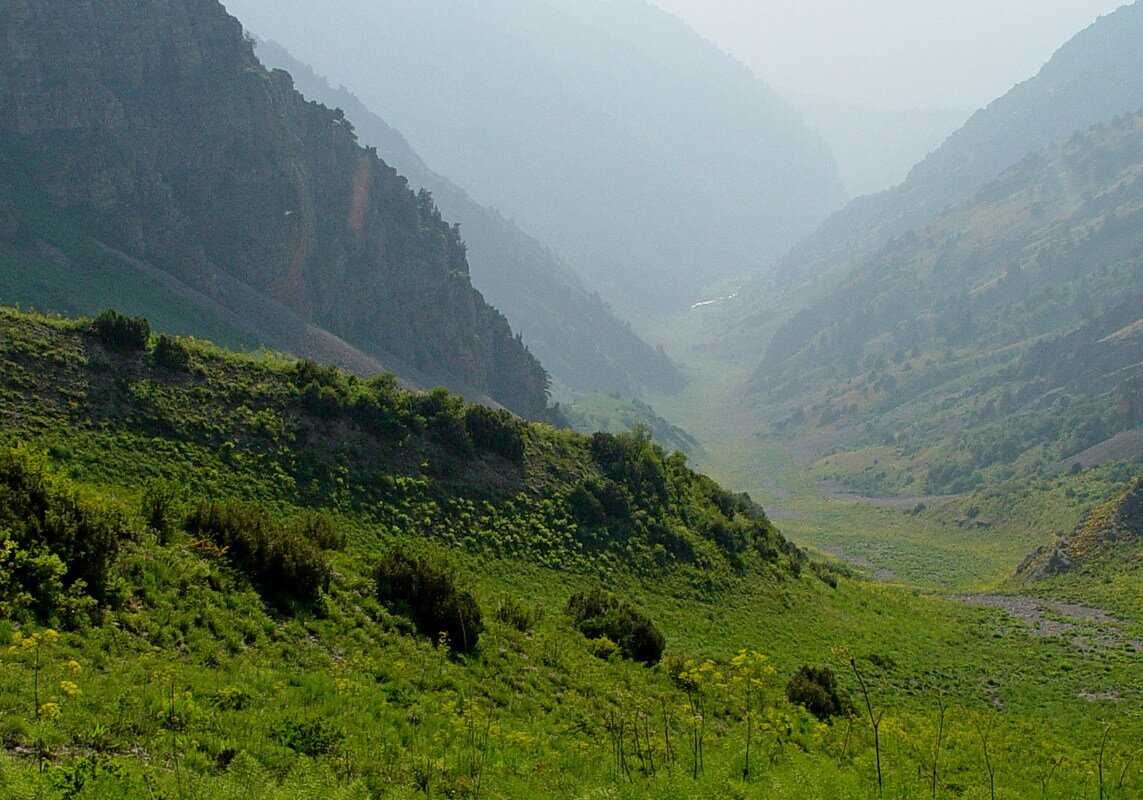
155	122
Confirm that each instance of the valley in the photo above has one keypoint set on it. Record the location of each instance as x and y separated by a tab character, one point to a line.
615	459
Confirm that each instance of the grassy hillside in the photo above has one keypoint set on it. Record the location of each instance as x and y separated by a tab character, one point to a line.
230	547
1001	339
1100	558
1092	79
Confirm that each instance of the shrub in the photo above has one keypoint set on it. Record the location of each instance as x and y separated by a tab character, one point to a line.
817	691
280	562
522	617
495	431
321	401
158	506
425	591
319	529
597	614
310	737
55	548
443	414
595	502
121	332
171	353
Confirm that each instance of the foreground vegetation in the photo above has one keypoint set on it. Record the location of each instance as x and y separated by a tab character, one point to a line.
233	576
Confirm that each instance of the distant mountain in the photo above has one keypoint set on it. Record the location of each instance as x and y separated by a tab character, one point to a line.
570	329
609	130
157	136
1006	334
876	147
1093	78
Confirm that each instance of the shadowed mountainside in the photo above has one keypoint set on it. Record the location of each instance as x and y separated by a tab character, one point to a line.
570	329
156	127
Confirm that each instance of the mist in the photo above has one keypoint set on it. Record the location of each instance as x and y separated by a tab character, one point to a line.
892	54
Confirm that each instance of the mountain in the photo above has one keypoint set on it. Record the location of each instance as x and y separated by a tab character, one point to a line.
609	130
576	336
1094	77
1004	335
154	130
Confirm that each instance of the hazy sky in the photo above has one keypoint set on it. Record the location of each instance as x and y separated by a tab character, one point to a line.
892	53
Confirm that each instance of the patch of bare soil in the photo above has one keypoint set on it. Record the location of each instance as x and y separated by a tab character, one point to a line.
1086	627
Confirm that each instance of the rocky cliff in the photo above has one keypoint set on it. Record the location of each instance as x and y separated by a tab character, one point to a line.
155	122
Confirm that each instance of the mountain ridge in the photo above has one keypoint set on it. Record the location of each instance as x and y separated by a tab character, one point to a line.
1003	335
569	328
653	181
159	126
1094	77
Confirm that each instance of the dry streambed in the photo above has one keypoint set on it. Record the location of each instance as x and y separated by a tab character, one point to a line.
1085	627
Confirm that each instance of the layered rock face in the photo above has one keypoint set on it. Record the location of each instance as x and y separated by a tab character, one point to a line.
154	120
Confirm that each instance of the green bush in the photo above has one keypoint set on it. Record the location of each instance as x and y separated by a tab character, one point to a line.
522	617
495	431
170	353
159	506
121	332
311	736
319	529
597	614
817	691
444	418
279	561
425	591
55	547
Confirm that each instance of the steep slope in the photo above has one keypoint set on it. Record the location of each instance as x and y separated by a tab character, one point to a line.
225	577
572	331
1112	533
1096	76
427	465
157	127
609	130
1005	334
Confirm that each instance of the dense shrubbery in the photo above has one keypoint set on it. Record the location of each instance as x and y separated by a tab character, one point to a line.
522	617
280	561
379	406
595	502
817	691
426	592
597	614
121	332
310	736
319	529
635	462
55	548
495	431
171	353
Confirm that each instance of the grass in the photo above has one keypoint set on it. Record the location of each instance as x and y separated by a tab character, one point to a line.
192	683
